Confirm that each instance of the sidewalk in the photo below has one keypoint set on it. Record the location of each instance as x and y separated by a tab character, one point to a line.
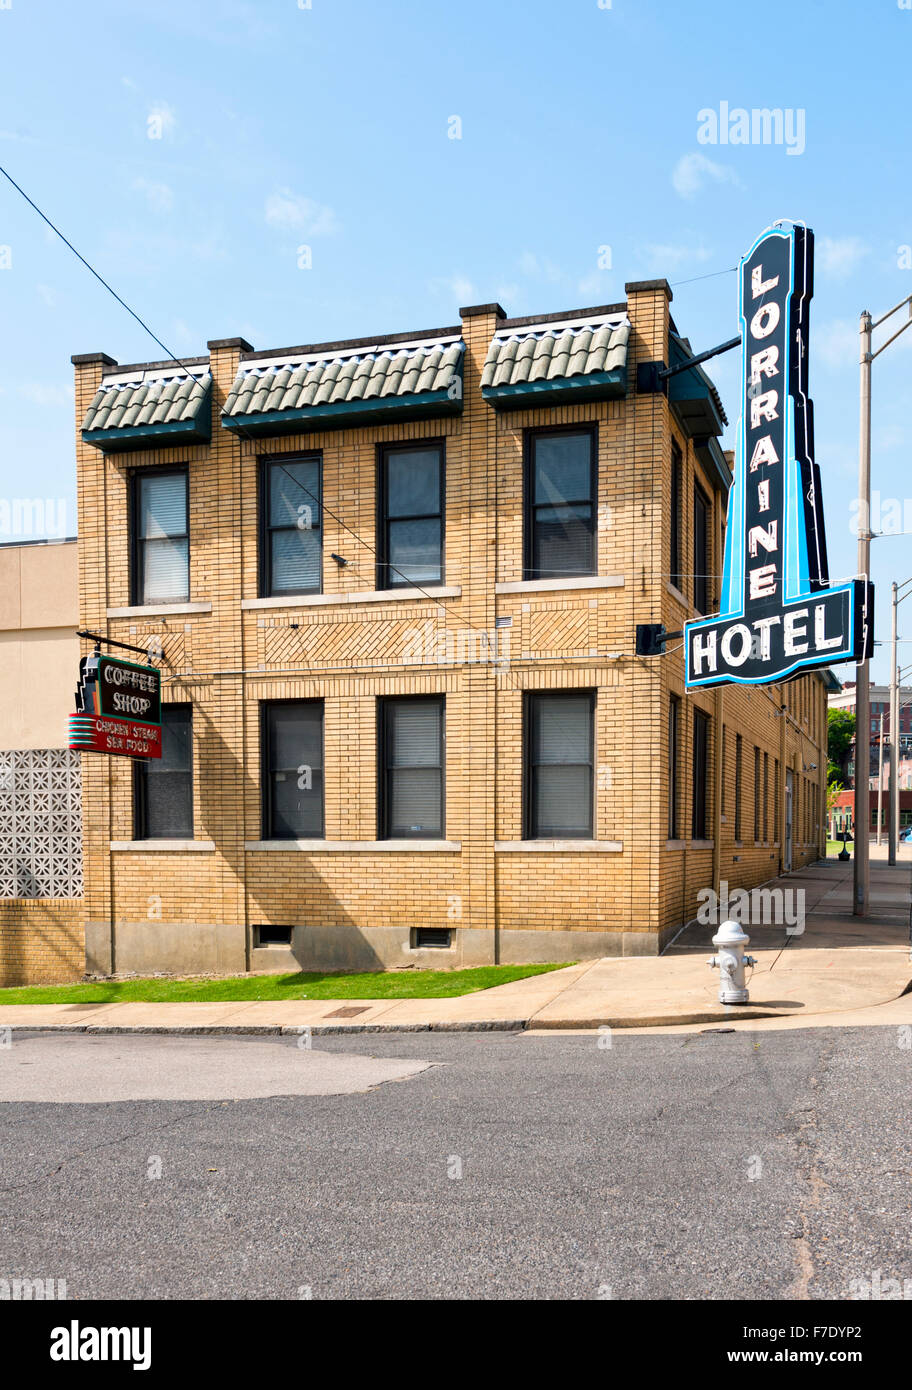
841	963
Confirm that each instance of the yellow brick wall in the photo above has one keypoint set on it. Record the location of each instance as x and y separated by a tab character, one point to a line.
41	941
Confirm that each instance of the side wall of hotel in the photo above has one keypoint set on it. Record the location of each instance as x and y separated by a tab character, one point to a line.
228	896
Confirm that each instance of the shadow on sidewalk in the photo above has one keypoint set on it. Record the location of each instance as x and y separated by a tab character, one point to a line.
821	893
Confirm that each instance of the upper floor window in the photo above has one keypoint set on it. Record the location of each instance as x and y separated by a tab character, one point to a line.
291	759
163	787
560	504
161	541
411	768
291	544
559	761
702	586
674	719
411	516
677	486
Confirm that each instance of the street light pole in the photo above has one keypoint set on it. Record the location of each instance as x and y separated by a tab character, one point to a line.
861	864
880	783
899	593
894	731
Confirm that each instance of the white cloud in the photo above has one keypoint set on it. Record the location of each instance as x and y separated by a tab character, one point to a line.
670	257
158	195
540	267
595	286
47	295
455	287
840	255
836	343
694	171
291	212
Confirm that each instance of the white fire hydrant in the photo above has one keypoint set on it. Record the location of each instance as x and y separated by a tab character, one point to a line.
730	942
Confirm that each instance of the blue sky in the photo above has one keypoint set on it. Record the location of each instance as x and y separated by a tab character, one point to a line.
330	127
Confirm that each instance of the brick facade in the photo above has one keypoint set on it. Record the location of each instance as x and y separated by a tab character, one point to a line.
41	941
353	901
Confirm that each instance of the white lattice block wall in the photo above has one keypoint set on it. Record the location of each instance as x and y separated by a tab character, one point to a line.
40	823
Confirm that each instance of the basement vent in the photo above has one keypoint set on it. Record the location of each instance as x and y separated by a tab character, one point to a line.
440	937
273	936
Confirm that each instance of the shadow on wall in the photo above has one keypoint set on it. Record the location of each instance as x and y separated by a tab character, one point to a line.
42	941
323	934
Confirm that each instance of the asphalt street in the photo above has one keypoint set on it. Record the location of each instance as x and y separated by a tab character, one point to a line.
697	1166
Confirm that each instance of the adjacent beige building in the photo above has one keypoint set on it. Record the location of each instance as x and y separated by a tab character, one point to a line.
39	649
41	905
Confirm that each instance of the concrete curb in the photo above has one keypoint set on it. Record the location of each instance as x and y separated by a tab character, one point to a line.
517	1025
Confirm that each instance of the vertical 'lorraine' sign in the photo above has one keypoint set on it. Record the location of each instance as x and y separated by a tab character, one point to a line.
779	614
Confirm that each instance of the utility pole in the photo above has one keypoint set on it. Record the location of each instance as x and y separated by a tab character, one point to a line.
900	592
861	860
894	731
862	864
880	784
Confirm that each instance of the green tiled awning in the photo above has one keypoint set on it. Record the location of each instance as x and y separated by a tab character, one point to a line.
552	364
282	396
137	414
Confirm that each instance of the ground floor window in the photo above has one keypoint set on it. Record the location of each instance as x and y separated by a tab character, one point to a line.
292	769
559	748
163	787
700	818
412	768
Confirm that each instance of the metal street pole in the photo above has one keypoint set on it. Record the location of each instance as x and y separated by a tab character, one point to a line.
880	783
894	732
861	863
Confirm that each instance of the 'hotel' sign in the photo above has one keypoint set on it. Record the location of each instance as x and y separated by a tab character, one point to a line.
778	613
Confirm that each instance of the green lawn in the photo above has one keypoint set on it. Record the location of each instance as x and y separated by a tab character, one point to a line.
394	984
835	847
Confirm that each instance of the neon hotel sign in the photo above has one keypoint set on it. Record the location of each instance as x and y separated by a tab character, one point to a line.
778	613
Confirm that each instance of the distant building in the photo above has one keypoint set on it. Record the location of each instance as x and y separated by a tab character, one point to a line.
880	705
841	814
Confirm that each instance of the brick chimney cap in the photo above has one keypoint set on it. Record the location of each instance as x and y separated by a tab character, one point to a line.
89	359
636	286
475	310
241	343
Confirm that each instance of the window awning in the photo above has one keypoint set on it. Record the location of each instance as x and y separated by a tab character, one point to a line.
283	395
551	364
693	393
149	410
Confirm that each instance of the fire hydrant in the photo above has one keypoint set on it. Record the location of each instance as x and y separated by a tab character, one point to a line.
730	942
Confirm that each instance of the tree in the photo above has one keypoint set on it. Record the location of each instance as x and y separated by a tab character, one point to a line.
840	736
